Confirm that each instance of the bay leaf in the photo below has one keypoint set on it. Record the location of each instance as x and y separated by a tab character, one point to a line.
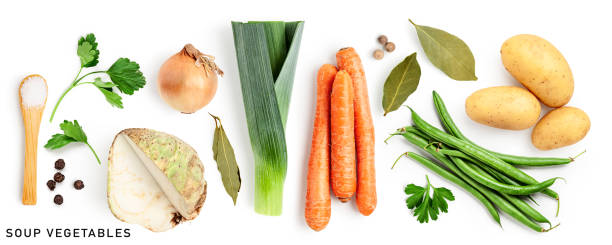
401	83
447	52
223	153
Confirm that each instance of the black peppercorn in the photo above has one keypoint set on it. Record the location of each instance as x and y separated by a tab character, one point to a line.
58	177
51	184
79	184
60	164
58	199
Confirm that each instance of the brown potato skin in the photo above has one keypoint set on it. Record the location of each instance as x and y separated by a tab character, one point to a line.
540	67
504	107
560	127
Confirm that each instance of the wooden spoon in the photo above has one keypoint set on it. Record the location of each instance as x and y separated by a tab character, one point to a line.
32	97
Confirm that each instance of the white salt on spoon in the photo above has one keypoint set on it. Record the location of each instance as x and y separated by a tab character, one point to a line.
33	97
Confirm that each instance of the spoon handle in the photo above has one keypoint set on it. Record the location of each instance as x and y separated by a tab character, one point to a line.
31	119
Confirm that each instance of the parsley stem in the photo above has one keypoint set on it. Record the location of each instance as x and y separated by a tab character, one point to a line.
58	102
429	186
77	76
93	72
94	152
74	84
84	83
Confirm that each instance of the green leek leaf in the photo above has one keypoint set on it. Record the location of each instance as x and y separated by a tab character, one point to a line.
277	44
284	82
266	101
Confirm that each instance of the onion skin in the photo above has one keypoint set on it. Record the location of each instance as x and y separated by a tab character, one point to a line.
184	84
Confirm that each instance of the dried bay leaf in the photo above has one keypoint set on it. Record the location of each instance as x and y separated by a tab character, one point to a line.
223	153
401	83
447	52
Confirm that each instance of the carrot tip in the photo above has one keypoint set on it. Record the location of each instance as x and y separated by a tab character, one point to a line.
344	199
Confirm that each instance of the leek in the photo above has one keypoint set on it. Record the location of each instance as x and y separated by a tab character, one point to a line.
267	56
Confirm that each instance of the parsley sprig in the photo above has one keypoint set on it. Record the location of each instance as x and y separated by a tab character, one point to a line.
125	75
425	203
73	132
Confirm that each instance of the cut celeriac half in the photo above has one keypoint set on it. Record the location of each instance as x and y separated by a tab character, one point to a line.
154	179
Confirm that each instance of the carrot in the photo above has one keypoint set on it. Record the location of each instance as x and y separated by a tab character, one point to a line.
343	169
349	61
318	203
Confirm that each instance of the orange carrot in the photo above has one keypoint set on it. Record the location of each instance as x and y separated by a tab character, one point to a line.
349	61
343	169
318	203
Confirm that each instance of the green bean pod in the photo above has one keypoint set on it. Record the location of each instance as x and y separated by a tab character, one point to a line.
471	150
519	203
452	128
492	196
494	173
460	154
414	130
504	205
454	153
497	175
492	183
503	178
472	187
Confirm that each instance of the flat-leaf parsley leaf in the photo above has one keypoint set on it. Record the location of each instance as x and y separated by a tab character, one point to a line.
124	74
107	90
73	132
427	201
87	50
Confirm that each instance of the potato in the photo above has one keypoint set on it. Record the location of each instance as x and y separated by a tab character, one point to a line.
560	127
504	107
540	67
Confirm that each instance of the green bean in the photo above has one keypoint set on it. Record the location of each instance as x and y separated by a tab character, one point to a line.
520	204
472	187
414	130
499	176
491	195
471	150
512	189
495	173
490	182
479	154
452	128
502	177
503	204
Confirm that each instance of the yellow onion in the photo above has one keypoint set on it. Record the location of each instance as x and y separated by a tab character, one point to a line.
187	81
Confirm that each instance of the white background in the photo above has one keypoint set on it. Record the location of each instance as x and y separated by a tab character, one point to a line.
40	37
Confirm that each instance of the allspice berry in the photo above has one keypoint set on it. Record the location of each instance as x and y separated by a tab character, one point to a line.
379	54
58	199
51	185
382	39
78	184
58	177
60	164
389	46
